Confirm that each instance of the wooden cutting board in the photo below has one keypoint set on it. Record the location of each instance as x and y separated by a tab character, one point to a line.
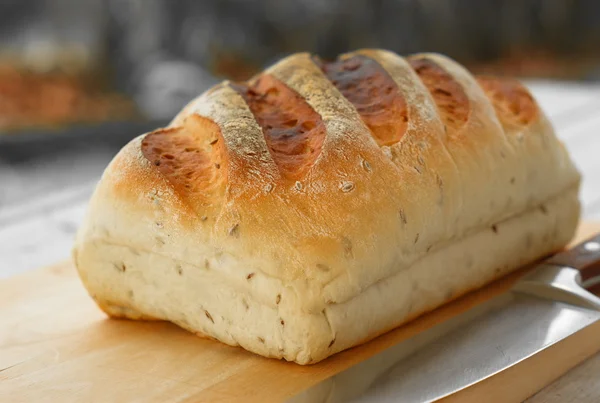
57	346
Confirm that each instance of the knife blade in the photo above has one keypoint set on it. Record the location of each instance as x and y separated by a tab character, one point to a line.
545	307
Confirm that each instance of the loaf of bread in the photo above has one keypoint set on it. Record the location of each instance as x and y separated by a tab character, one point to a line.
322	204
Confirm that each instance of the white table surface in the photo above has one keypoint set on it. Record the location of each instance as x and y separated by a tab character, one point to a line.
42	204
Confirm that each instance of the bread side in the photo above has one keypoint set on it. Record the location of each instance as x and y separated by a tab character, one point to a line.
206	302
280	213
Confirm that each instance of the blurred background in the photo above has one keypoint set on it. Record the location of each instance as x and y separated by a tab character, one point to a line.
79	78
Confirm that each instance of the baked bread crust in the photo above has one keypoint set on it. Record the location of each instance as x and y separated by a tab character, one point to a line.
322	204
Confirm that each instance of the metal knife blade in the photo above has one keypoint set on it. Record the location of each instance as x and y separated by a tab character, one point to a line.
544	307
511	328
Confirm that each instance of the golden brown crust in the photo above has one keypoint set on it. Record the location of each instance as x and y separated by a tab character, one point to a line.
449	96
294	132
514	105
191	157
373	93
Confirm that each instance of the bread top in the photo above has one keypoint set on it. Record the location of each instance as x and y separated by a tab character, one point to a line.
315	179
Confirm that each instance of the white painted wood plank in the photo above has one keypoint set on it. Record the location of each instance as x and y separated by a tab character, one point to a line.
40	240
577	122
43	177
583	143
557	97
580	385
59	199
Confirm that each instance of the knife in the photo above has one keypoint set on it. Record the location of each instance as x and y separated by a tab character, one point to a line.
543	309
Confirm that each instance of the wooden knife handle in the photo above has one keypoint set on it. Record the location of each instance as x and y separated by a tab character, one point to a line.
584	257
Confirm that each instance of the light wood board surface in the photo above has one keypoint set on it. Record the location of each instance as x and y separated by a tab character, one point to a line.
577	386
56	345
